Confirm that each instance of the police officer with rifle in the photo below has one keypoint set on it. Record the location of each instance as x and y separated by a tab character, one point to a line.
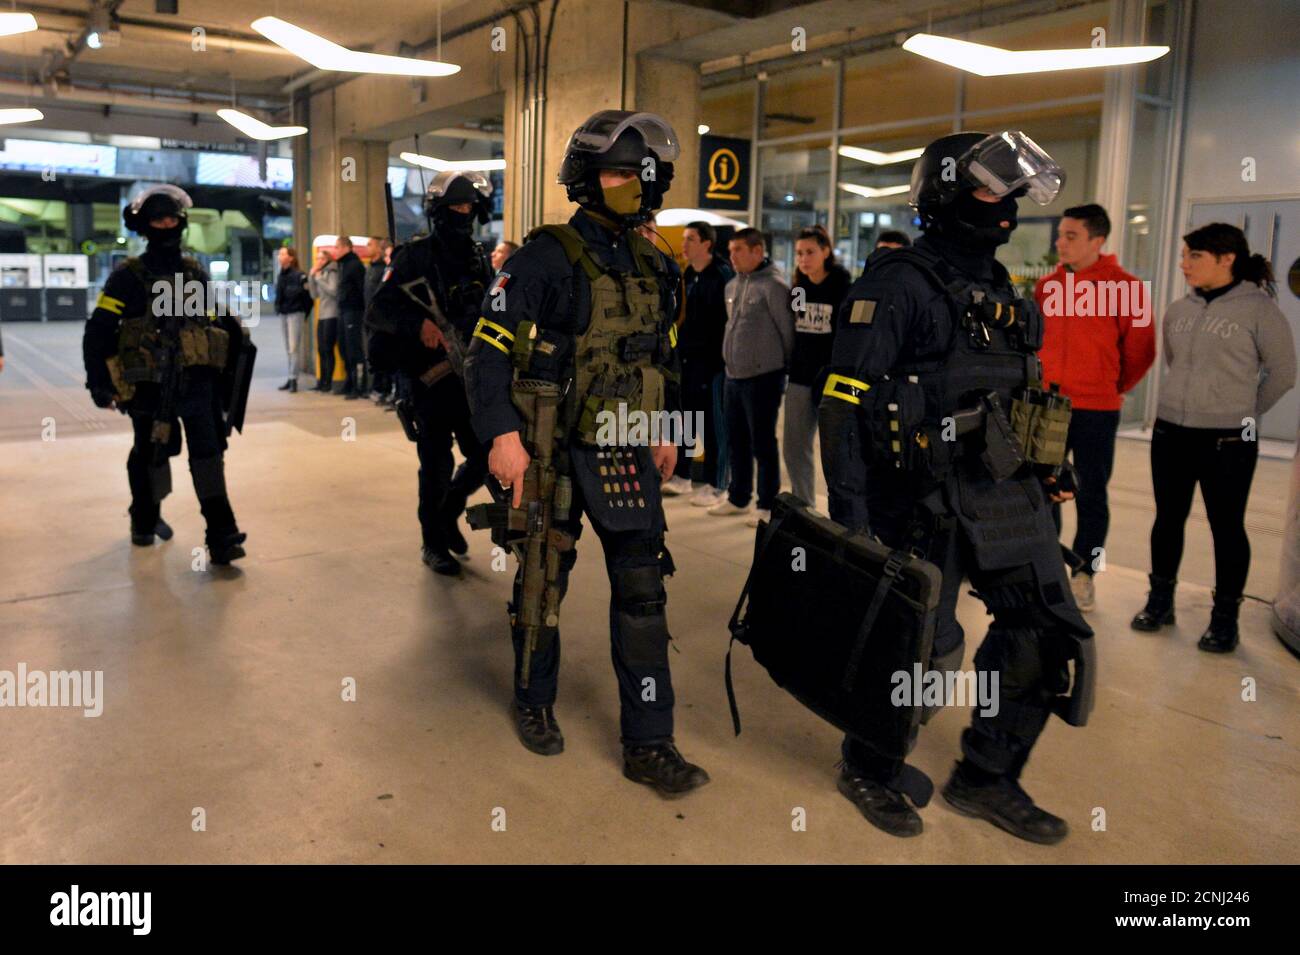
575	331
154	349
941	440
420	321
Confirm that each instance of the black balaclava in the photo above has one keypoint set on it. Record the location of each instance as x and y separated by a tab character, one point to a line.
165	241
453	224
975	225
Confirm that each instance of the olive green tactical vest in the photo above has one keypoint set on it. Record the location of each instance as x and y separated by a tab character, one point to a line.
139	343
617	358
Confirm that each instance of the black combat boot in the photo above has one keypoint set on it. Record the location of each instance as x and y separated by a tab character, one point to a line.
1160	605
1222	635
226	548
145	538
538	730
661	766
1000	800
440	562
456	542
884	808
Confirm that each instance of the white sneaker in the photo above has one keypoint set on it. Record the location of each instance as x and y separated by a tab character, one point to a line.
758	515
674	486
1085	591
724	508
707	496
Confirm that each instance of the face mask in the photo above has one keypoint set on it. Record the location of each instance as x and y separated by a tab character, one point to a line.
624	199
165	238
978	224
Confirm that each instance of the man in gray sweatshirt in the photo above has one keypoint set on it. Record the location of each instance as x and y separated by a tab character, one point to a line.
756	348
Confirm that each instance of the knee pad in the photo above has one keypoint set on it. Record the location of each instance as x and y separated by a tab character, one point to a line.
209	477
639	601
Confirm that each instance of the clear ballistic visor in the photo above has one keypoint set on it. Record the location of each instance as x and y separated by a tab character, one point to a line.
166	189
601	131
1010	160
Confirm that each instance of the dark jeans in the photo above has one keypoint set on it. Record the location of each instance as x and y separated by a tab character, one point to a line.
702	393
352	349
327	335
752	405
1223	463
637	629
1091	445
443	412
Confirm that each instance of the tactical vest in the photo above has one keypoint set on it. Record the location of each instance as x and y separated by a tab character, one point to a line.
141	342
616	359
976	374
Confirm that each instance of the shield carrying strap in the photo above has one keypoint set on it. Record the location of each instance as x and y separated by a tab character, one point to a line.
736	625
893	565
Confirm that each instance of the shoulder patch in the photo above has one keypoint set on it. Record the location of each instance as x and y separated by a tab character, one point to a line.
499	282
863	312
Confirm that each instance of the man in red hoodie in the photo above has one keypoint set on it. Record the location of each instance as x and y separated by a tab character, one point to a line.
1098	342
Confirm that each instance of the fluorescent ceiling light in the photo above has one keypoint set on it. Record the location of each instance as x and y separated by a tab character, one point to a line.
459	165
879	158
994	61
19	115
871	192
11	23
254	128
327	55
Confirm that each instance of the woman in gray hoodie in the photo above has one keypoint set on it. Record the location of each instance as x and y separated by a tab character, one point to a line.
324	281
1229	357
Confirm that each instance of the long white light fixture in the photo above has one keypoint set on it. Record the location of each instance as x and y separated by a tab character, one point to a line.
254	128
994	61
12	23
457	165
872	192
879	158
326	55
19	115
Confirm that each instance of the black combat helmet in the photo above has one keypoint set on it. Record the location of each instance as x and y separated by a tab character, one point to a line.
158	202
642	143
1008	164
452	187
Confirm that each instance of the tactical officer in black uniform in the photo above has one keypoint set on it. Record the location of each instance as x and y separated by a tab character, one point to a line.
934	361
420	321
586	309
133	338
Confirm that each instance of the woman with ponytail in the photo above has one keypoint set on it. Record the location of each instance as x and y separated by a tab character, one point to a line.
820	287
1230	358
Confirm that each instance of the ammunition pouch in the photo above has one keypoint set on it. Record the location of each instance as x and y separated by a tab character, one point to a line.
1041	422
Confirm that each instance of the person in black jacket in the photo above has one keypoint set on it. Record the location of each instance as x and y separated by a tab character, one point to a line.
352	313
293	305
820	285
379	252
699	343
446	272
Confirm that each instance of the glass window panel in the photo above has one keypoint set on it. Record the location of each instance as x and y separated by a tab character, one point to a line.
795	188
729	110
799	101
895	86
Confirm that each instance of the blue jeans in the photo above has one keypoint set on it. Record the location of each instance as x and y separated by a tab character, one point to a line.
752	405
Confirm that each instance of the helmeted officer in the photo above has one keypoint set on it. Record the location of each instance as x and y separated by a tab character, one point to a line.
588	307
420	321
935	393
164	369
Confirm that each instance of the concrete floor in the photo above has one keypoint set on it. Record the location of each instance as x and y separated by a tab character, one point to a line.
223	690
